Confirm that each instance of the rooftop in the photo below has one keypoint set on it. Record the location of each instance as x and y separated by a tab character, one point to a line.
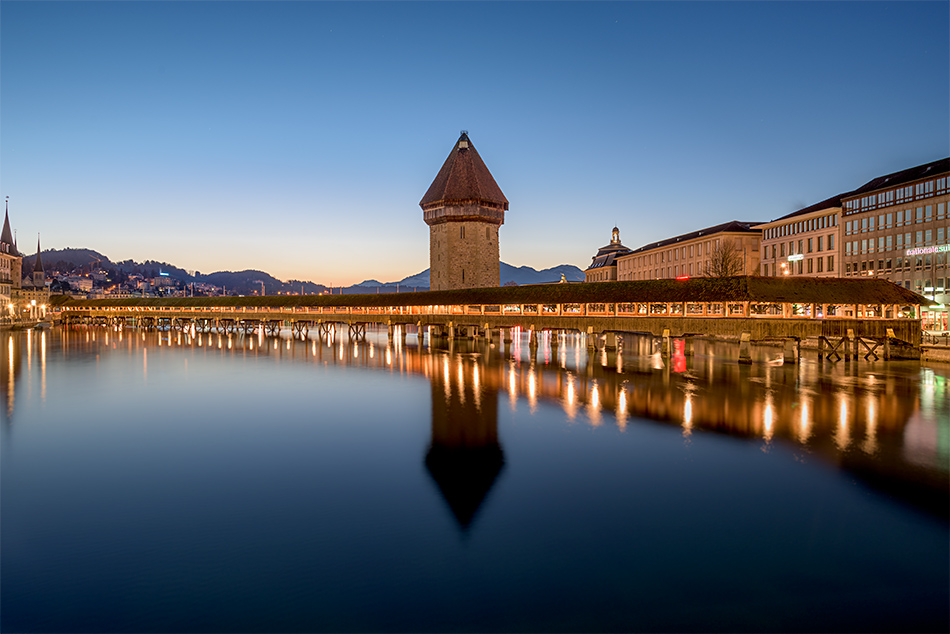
464	178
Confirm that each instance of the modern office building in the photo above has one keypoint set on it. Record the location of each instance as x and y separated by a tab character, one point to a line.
804	242
693	254
898	227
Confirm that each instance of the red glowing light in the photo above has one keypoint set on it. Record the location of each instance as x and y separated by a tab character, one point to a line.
683	277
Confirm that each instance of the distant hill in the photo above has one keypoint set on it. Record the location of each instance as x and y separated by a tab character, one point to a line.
508	273
63	259
528	275
249	282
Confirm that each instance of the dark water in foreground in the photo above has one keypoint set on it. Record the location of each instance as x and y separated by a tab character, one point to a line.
165	482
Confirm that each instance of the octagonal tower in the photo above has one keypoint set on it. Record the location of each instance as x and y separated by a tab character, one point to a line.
464	208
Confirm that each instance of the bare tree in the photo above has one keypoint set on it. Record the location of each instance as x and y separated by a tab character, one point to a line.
725	260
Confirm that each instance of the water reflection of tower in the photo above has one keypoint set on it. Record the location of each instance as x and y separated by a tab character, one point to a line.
464	457
10	366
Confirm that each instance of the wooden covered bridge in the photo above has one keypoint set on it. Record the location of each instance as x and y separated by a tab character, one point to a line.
841	314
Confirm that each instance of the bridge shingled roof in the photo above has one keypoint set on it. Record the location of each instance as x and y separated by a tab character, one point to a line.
798	290
464	177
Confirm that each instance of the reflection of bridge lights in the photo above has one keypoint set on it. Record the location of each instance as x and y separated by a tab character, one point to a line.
593	408
372	352
622	409
445	369
869	445
570	398
461	382
804	429
476	379
532	390
768	419
688	413
389	357
842	435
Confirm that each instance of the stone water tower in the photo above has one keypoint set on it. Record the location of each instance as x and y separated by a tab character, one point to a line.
464	208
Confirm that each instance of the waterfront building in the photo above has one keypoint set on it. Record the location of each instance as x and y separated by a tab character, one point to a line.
805	242
464	208
32	297
694	254
603	266
897	227
11	263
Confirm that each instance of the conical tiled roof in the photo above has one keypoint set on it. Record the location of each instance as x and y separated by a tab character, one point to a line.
464	177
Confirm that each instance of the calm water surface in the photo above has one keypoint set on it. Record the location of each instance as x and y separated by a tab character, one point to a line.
175	482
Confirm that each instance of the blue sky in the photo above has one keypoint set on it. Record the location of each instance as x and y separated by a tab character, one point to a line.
299	137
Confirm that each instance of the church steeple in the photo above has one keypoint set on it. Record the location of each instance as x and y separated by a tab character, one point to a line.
39	275
7	245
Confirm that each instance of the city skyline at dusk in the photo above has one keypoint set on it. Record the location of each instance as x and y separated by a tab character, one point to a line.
299	138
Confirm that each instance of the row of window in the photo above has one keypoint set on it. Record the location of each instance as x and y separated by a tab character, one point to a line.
904	217
669	255
805	245
891	265
676	270
800	267
918	191
899	241
802	226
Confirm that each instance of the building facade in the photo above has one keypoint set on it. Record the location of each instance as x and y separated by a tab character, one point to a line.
603	266
464	208
804	242
11	267
693	254
898	227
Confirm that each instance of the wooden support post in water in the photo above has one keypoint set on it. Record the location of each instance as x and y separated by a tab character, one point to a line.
591	342
791	351
745	348
688	346
610	341
851	350
666	349
887	343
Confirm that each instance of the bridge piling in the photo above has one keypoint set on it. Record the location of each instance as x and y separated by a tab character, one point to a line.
792	351
745	348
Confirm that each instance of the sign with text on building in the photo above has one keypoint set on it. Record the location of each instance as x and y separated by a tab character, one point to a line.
940	248
796	258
